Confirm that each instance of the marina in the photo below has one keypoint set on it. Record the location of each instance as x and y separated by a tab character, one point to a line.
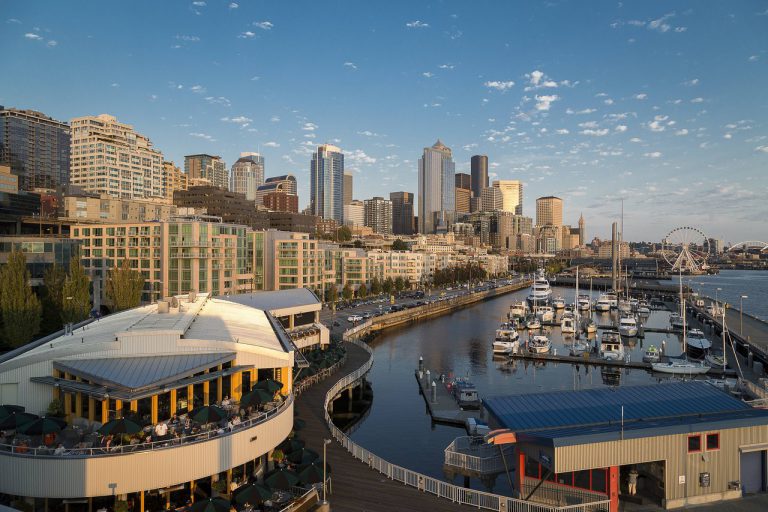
442	404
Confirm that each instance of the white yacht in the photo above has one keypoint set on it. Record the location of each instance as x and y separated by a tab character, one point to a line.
628	326
697	345
558	303
584	303
506	346
539	344
568	324
545	313
518	309
533	323
540	293
624	306
611	347
643	309
681	367
605	302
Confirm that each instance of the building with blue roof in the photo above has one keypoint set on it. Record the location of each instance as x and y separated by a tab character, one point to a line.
689	442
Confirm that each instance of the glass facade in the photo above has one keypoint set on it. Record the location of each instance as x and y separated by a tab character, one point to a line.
327	183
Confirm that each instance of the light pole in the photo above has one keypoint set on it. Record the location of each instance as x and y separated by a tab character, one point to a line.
741	314
717	290
326	442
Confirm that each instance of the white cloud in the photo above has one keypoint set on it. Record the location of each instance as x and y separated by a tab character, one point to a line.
274	119
657	124
33	36
52	43
417	24
636	140
271	144
358	156
661	25
753	58
237	120
544	102
588	124
427	74
654	154
197	89
595	133
728	136
581	112
13	20
263	25
681	132
691	83
499	85
203	136
640	96
233	5
218	100
446	66
562	131
368	133
309	127
350	65
199	3
247	35
621	128
536	77
697	100
608	101
114	84
187	38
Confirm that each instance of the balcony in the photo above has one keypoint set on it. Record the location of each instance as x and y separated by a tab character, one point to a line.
94	472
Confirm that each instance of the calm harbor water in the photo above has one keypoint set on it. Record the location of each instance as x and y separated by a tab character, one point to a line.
732	285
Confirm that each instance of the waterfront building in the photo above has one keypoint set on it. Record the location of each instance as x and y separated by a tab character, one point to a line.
230	206
463	180
604	250
354	214
289	221
689	442
479	171
511	195
109	157
327	183
292	260
463	198
437	200
173	179
79	208
9	182
349	180
393	264
42	252
475	204
378	215
36	147
205	169
716	246
15	203
402	213
344	265
154	363
247	175
278	201
492	199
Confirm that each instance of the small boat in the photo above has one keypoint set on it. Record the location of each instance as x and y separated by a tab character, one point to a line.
518	309
681	367
624	306
583	303
506	332
568	325
697	345
545	313
628	326
558	303
465	393
611	347
533	323
579	348
676	321
715	360
539	344
652	355
643	309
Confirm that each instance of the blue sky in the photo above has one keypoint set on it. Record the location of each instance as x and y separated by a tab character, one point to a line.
663	103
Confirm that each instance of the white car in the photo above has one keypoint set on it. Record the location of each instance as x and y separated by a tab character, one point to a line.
354	318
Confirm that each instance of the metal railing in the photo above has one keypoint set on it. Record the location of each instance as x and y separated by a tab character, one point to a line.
561	495
305	384
473	454
15	450
425	483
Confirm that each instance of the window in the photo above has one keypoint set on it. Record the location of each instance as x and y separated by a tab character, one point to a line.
694	444
713	442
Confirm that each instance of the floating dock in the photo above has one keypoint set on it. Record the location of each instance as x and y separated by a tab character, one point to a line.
441	404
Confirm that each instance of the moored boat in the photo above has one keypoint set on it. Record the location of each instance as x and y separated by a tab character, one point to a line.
652	355
558	303
681	367
568	325
545	313
583	303
518	309
539	344
611	347
628	326
540	293
465	393
697	344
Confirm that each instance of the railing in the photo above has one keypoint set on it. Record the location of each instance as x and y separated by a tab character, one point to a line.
562	495
6	449
304	384
424	483
475	455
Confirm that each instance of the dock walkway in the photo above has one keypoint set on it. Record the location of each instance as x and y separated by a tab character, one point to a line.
444	408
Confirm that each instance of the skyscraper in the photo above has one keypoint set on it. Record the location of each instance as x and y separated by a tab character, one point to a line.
327	183
354	214
492	199
463	198
109	157
36	147
479	170
288	183
206	169
512	195
402	212
348	187
582	231
549	211
378	215
247	175
463	180
437	183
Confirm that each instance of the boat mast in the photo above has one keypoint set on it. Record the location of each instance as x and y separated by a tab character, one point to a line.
723	333
682	309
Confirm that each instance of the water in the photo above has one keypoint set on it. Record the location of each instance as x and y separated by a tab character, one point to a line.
733	284
399	428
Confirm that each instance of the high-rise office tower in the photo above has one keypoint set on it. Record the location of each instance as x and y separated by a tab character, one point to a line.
35	147
109	157
479	170
402	212
512	195
492	199
549	211
354	214
437	183
378	215
463	199
206	169
288	183
348	187
247	175
327	183
463	180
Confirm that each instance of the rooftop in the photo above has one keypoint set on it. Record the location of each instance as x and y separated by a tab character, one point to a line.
278	302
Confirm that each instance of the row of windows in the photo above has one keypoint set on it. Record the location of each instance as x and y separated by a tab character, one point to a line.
712	442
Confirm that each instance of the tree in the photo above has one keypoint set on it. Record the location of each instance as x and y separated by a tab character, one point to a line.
77	295
388	285
376	286
347	292
399	283
399	245
362	291
344	234
53	297
124	287
331	294
357	244
19	306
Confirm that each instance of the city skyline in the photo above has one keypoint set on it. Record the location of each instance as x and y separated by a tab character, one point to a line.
653	109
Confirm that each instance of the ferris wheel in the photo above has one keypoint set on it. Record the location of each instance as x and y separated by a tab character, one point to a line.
686	250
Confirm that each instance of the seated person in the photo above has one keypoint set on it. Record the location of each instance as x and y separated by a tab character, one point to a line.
226	402
161	430
60	450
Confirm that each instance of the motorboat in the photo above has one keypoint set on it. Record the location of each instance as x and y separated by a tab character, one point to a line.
697	344
506	347
605	302
628	326
652	355
569	309
583	303
568	324
715	360
465	393
506	332
643	309
558	303
634	303
611	347
533	322
624	306
545	313
540	293
681	367
675	320
539	344
518	309
578	348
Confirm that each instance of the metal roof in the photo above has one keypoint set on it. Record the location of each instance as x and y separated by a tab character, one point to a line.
134	373
684	402
274	301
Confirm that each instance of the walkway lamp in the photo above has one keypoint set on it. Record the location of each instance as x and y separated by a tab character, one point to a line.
326	442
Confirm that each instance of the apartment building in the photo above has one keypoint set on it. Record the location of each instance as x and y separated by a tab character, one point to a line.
108	209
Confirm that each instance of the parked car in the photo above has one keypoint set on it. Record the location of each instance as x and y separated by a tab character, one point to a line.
354	318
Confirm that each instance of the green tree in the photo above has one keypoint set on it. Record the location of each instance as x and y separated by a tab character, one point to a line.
344	234
399	283
347	292
399	245
124	287
77	296
331	294
362	291
358	244
53	296
388	285
376	286
19	306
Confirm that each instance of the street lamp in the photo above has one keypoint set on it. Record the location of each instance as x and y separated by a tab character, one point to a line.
326	442
717	290
741	314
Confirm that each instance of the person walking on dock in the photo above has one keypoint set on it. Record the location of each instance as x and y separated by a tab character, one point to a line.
632	482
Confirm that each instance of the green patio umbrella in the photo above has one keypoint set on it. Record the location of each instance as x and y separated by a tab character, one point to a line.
8	409
208	414
299	423
303	456
210	505
256	397
312	473
42	426
120	426
282	479
254	494
17	419
291	445
272	386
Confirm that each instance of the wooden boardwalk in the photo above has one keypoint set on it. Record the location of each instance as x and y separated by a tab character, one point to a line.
356	487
